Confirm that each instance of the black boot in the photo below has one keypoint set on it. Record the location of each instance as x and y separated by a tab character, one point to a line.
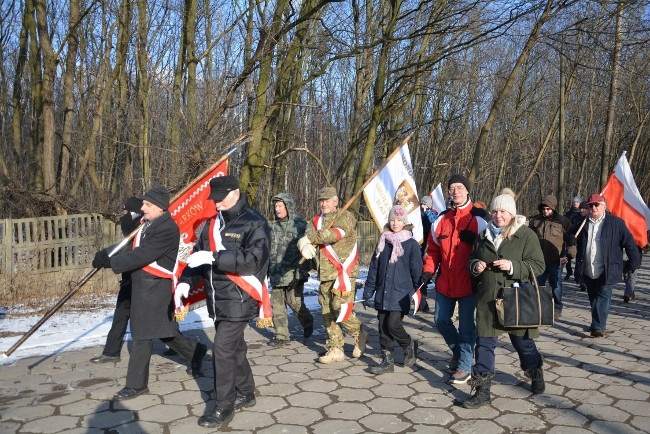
216	417
537	376
387	364
481	385
411	353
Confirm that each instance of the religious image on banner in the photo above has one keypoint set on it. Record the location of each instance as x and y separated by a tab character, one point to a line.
394	183
406	197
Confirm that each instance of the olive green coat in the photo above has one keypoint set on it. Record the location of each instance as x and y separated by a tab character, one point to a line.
523	246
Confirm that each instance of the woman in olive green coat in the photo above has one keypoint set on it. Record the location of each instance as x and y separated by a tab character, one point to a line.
498	260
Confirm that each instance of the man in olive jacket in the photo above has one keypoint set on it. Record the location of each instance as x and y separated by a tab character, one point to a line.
232	257
151	262
551	228
335	234
287	275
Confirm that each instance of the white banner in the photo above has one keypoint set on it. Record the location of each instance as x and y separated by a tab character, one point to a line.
438	199
393	184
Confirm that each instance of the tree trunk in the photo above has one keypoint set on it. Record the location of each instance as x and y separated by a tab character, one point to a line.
505	92
613	95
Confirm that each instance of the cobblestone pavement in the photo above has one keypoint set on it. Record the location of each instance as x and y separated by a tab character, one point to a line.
597	385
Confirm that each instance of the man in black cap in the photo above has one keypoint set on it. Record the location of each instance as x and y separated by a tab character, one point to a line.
151	262
232	257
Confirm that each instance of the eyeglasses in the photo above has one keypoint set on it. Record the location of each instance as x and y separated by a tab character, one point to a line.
593	205
452	189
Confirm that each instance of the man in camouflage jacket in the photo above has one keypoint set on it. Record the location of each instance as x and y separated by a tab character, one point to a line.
287	276
335	236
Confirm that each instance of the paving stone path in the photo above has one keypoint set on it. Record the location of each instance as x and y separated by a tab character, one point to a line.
599	385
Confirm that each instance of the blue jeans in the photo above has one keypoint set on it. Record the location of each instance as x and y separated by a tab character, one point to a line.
554	274
629	277
461	341
600	297
529	356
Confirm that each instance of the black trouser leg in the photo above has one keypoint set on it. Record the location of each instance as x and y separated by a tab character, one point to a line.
115	337
181	344
137	375
232	371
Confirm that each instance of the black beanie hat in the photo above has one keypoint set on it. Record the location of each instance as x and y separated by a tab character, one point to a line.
456	178
159	196
133	204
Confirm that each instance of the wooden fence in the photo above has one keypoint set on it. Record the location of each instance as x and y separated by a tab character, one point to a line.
51	254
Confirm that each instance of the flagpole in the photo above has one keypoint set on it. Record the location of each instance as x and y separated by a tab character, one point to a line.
234	145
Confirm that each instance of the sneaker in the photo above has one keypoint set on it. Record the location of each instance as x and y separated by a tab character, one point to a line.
628	298
453	364
460	377
333	355
557	314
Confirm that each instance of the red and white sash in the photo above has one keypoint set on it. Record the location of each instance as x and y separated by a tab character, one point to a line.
259	291
154	269
343	268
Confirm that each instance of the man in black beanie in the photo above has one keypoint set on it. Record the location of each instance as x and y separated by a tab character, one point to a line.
151	261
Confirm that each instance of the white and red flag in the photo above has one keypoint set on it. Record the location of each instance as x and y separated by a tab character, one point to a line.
394	184
189	211
417	299
624	201
438	200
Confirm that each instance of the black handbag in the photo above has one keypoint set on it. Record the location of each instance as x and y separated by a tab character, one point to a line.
525	305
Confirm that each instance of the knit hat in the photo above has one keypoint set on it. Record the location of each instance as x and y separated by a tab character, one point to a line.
426	200
577	199
504	202
221	186
456	178
398	212
159	196
583	204
133	204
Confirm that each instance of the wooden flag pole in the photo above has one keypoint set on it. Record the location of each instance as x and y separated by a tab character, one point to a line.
235	144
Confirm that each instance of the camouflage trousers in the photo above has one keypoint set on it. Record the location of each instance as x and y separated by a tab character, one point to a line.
330	302
293	297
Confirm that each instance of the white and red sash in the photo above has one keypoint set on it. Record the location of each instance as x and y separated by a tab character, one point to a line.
154	269
259	291
343	268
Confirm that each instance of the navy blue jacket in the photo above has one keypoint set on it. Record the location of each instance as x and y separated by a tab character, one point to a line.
394	284
614	237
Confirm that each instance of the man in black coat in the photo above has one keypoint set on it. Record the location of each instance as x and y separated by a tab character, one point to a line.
232	256
600	254
151	262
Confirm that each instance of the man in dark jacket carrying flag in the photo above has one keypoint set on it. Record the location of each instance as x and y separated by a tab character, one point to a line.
232	256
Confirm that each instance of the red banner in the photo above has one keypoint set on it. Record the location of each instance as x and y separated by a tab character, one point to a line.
189	211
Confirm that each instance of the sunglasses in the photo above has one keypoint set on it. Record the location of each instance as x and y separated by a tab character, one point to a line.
593	205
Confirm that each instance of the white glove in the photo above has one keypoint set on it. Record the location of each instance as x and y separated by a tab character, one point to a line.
306	248
182	290
202	257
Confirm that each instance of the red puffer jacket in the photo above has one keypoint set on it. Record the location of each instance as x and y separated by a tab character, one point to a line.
447	250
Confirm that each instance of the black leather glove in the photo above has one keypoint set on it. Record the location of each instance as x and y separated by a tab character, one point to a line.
467	236
572	240
367	302
101	260
424	279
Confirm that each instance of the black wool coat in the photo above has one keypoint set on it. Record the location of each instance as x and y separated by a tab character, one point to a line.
151	296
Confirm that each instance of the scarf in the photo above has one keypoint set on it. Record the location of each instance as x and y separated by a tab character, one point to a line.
494	230
395	239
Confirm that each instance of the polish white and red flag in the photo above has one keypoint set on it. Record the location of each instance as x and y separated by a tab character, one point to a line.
417	299
438	200
624	200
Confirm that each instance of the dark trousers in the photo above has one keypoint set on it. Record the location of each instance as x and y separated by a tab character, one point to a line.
391	328
137	375
529	357
232	372
115	338
600	298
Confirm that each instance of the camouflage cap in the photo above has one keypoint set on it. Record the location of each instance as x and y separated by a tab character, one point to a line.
326	193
